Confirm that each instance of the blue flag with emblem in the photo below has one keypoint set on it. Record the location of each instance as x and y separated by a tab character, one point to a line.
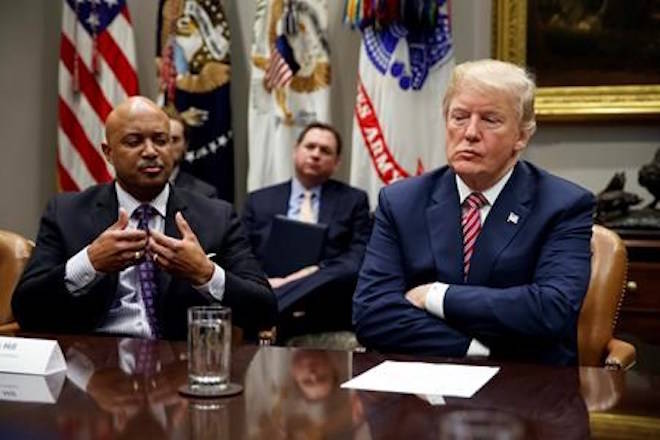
194	77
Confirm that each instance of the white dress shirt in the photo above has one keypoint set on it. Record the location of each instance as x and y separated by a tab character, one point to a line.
435	298
127	314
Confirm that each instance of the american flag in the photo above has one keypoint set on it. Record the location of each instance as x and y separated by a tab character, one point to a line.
282	65
97	71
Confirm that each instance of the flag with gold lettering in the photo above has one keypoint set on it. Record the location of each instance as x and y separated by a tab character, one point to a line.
406	59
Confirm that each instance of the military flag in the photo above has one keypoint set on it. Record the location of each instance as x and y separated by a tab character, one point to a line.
406	58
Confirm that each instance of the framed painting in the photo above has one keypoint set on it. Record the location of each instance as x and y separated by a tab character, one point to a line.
593	59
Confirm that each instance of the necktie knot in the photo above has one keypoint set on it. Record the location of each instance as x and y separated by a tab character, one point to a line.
475	200
143	213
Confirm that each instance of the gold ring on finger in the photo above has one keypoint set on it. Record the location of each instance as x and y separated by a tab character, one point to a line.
155	258
137	255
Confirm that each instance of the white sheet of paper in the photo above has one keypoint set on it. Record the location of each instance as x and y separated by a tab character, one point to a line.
30	356
423	378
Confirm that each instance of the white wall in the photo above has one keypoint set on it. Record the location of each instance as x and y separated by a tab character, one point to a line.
29	42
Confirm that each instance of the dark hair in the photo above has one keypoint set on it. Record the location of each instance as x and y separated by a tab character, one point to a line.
172	113
321	126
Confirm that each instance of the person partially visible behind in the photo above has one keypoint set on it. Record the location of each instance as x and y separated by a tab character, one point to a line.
129	257
489	255
323	291
179	133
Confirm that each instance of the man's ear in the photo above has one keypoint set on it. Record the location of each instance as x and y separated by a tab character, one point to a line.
106	151
337	164
521	143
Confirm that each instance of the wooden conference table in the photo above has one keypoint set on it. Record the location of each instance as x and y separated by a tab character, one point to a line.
294	394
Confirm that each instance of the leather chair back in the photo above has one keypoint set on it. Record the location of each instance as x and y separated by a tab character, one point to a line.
609	268
14	253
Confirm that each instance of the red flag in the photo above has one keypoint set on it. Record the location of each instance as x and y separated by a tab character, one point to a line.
97	71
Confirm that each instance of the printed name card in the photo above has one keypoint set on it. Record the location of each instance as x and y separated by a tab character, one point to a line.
30	356
31	388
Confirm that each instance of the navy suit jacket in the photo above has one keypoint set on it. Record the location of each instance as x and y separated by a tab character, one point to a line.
526	282
193	184
343	208
41	301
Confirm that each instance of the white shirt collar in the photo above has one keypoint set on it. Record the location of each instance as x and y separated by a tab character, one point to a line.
130	203
491	193
297	188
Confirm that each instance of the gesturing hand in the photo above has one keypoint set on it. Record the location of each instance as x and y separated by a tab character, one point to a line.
117	247
184	257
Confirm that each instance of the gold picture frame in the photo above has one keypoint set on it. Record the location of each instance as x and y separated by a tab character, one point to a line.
570	103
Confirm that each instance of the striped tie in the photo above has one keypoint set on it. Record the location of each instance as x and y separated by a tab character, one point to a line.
471	222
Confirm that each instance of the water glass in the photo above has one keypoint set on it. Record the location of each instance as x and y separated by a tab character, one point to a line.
209	347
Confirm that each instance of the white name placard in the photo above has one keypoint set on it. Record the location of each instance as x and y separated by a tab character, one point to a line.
31	388
30	356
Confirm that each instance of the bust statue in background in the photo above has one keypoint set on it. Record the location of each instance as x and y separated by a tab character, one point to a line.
613	206
649	178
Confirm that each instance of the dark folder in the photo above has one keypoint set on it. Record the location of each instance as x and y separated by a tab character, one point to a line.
292	245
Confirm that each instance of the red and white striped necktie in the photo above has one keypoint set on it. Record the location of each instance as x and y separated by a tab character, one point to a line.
471	221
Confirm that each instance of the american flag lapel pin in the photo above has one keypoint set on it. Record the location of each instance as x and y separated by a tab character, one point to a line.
513	218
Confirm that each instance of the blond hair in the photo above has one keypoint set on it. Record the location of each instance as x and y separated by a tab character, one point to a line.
496	76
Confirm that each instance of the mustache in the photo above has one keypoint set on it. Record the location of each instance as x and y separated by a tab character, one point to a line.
148	163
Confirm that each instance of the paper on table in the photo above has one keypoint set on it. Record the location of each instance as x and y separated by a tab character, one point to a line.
423	378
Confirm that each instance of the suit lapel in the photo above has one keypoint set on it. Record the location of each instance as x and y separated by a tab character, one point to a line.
106	210
281	199
504	220
444	217
328	203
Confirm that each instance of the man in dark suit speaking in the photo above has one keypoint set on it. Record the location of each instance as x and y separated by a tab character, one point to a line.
131	256
322	291
489	255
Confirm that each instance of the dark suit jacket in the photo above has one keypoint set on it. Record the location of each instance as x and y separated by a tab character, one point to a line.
41	301
343	208
193	184
526	282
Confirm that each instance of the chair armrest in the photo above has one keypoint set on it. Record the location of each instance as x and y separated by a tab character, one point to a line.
620	355
10	327
268	337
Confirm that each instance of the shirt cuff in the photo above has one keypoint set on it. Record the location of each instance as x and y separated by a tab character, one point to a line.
216	285
476	348
79	273
435	299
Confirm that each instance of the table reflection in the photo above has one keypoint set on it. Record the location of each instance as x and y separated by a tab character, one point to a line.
134	384
543	406
295	394
128	388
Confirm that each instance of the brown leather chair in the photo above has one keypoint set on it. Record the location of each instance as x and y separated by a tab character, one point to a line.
14	253
609	268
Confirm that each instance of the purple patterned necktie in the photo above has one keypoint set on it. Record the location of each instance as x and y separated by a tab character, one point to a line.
146	357
147	272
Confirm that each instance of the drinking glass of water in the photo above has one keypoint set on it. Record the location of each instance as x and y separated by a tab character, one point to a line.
209	348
